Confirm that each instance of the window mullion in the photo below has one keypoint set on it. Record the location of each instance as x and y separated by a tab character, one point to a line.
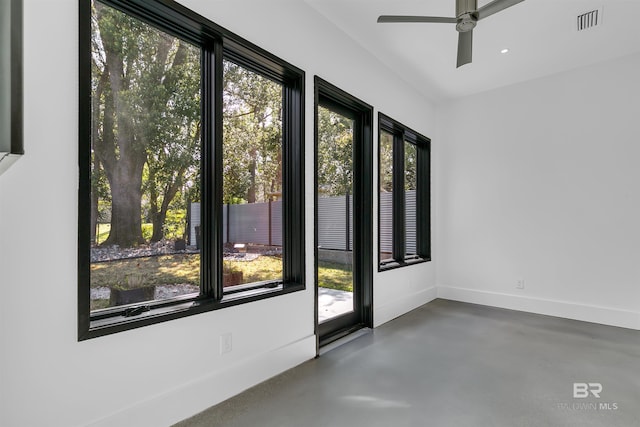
398	198
213	260
293	209
207	206
423	202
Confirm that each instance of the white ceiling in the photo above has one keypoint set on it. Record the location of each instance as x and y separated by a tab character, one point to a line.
540	34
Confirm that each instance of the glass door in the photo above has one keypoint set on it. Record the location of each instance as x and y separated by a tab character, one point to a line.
343	223
335	215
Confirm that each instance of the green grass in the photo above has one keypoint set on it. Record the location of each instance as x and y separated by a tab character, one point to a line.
335	276
263	268
158	270
185	269
176	269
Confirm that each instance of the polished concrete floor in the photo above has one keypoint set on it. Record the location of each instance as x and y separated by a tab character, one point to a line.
454	364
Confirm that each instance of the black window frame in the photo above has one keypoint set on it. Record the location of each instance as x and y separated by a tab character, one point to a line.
401	135
216	44
337	100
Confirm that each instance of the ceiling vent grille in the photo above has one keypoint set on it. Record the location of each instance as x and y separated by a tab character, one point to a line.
589	19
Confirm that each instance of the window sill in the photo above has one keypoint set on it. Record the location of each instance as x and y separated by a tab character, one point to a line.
112	321
392	265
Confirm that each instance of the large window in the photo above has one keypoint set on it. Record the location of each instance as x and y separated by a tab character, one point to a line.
403	201
252	181
190	167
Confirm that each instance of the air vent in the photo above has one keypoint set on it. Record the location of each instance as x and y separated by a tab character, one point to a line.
590	19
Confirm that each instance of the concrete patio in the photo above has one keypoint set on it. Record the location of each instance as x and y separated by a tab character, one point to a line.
333	303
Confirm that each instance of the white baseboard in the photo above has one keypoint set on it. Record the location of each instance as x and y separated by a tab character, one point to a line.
568	310
398	307
189	399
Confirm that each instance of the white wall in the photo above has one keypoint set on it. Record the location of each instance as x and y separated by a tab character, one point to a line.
159	374
540	181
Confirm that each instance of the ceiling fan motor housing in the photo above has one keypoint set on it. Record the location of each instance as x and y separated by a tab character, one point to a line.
467	15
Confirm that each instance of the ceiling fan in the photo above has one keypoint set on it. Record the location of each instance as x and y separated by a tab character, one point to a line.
467	16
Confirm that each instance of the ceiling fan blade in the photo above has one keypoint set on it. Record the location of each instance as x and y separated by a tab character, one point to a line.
495	6
400	18
465	47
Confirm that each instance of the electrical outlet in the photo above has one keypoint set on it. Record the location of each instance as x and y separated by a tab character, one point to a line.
225	343
520	284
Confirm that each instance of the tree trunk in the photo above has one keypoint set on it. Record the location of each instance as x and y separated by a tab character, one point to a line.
159	218
94	216
251	192
125	181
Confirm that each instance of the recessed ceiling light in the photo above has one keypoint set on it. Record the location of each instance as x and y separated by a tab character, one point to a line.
505	50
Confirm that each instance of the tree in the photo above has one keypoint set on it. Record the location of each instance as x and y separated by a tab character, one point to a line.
335	153
252	136
410	166
386	162
146	126
173	157
146	96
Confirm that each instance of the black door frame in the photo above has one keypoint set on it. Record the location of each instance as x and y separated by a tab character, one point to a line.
337	100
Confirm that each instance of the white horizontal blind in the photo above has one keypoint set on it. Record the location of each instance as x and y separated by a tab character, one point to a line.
410	222
386	222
